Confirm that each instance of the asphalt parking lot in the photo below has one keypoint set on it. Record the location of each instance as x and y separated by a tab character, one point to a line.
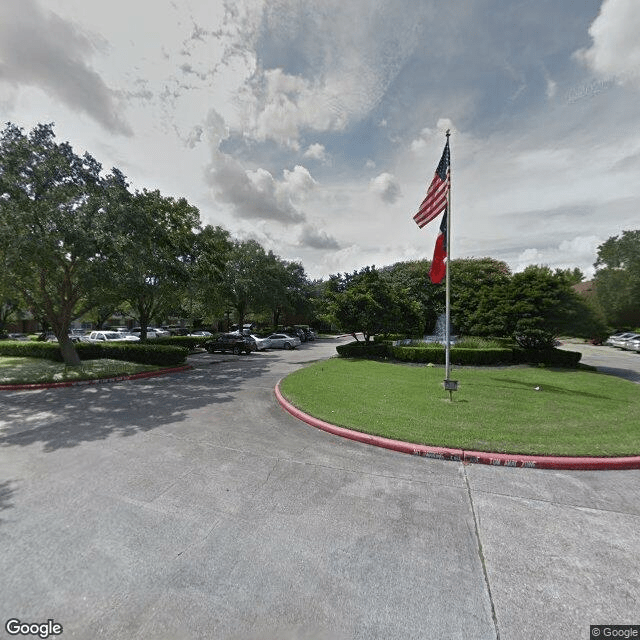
192	506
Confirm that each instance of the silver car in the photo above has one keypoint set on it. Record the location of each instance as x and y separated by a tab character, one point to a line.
111	336
619	339
284	341
628	343
633	345
261	343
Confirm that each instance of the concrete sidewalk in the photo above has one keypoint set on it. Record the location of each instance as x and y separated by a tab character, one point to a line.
193	506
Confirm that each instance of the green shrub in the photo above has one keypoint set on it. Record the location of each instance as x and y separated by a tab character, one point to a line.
363	350
436	354
462	354
156	354
188	342
551	357
19	349
159	355
389	337
478	342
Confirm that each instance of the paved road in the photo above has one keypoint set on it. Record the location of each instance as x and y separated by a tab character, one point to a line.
193	507
615	362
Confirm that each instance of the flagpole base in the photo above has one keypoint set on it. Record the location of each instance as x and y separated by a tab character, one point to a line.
450	386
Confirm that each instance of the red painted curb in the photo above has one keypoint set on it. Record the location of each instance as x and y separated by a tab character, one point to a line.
75	383
459	455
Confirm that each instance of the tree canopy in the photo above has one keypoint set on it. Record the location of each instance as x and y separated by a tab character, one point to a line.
51	226
617	279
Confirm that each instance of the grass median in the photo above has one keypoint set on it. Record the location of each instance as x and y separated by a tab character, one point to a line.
526	410
14	370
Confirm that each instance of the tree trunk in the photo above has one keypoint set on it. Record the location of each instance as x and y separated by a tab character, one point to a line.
68	351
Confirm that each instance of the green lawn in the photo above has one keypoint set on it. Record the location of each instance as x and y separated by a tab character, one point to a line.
31	370
495	409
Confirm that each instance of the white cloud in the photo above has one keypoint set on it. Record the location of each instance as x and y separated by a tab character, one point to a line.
343	73
615	51
386	186
316	151
315	239
253	194
43	50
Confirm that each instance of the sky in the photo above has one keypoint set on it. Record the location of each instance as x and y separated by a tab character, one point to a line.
315	126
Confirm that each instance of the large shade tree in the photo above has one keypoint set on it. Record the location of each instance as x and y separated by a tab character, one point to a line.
153	252
369	304
51	226
617	279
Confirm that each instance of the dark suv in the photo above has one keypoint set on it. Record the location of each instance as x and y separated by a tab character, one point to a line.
229	342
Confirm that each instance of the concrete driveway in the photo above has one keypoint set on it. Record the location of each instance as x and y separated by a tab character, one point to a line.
193	506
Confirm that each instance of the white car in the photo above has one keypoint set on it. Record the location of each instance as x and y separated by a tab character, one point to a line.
628	343
619	339
151	333
284	341
261	343
111	336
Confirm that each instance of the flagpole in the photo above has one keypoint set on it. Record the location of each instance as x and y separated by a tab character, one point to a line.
447	287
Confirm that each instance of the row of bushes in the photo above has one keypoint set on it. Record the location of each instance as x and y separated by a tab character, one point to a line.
435	354
155	354
188	342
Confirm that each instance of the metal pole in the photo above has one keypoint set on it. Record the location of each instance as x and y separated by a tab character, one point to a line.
447	311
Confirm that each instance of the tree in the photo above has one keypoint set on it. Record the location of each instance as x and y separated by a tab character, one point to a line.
617	279
371	305
204	296
288	289
475	284
153	251
248	278
413	278
50	226
539	305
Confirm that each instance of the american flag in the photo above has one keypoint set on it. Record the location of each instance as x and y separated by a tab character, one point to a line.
436	199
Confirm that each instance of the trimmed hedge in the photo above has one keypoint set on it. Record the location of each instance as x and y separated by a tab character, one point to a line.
160	355
363	350
459	355
551	357
388	337
188	342
31	349
435	353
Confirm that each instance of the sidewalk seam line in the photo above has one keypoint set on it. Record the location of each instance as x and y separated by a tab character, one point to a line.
558	503
481	554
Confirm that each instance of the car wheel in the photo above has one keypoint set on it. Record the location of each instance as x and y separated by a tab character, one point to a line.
287	345
236	351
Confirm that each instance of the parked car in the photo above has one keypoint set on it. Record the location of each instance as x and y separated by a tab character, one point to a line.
176	330
284	341
633	345
617	339
160	332
260	343
201	334
111	336
233	342
17	336
626	344
152	334
308	332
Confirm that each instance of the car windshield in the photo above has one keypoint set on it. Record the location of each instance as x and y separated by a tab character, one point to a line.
112	335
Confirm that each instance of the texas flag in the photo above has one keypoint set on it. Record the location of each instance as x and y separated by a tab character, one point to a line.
438	264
